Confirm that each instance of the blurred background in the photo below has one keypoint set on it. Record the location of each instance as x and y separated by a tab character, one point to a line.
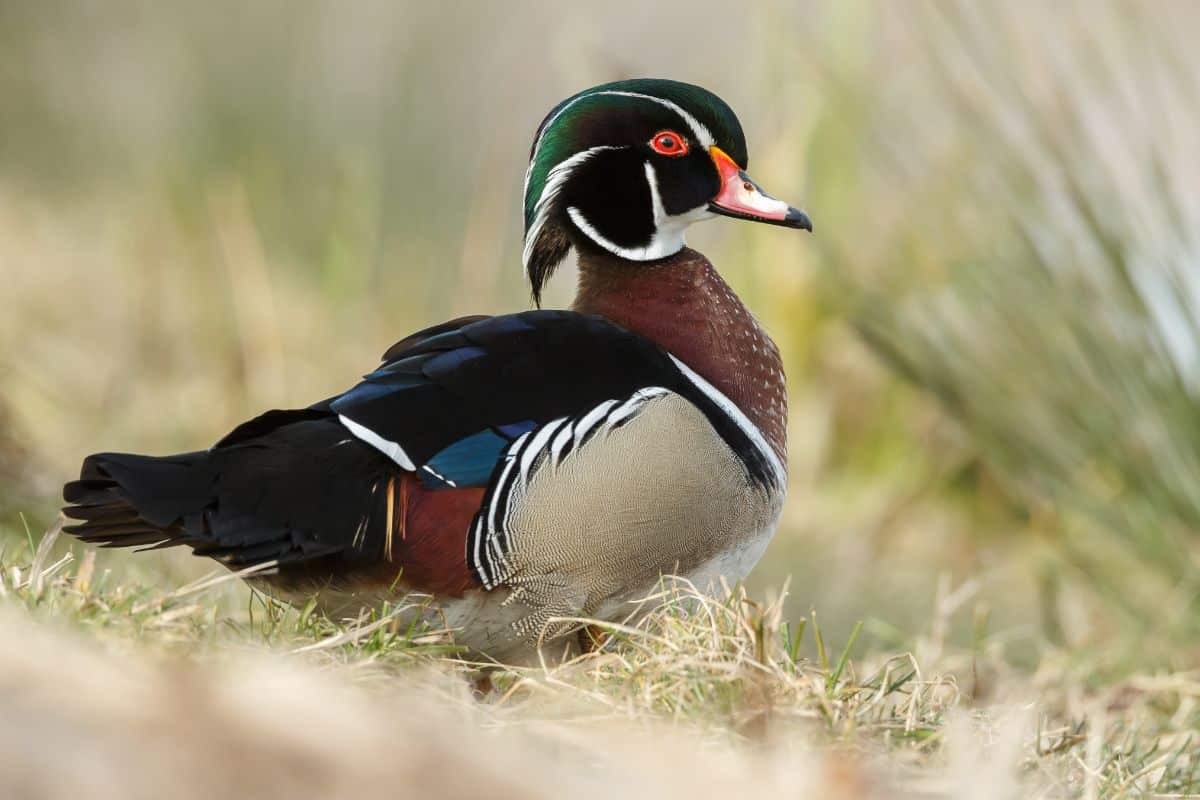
992	339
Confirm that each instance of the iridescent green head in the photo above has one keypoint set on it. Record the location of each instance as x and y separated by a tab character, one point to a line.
626	167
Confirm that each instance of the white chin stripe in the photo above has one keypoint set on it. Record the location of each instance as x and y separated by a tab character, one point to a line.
669	229
389	448
659	246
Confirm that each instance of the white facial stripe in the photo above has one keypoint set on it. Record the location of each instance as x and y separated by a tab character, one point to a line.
667	239
660	213
701	133
657	247
669	229
555	180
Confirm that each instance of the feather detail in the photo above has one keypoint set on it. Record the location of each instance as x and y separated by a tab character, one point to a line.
389	525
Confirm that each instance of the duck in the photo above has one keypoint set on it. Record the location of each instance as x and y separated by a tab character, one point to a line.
526	472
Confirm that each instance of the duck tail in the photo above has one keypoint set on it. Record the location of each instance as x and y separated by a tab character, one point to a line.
128	500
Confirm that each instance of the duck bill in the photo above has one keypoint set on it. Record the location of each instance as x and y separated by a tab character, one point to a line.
741	197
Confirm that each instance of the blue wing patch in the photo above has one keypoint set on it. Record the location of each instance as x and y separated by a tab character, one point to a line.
516	429
470	461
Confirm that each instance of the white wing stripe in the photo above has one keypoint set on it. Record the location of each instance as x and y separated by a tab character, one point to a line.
389	448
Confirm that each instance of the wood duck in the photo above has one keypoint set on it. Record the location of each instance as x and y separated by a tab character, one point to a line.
530	467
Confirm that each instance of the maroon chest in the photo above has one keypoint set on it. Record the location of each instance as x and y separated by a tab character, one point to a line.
683	305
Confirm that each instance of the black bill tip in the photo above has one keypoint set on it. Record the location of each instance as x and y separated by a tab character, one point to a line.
797	219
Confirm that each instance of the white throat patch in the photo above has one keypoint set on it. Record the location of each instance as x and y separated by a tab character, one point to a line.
669	229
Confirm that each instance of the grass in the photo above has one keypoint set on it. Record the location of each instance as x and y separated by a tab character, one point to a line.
1059	325
717	682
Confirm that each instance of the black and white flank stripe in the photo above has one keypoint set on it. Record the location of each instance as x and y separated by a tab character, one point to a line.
489	540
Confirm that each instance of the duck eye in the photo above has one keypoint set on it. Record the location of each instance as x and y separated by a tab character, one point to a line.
669	143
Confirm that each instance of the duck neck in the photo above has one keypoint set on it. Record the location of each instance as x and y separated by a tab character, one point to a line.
684	306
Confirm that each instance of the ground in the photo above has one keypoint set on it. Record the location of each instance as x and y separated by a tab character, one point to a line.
127	686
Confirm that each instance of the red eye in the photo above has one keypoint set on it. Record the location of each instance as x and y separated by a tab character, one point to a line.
669	143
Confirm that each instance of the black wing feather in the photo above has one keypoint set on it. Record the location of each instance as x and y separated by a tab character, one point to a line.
296	487
535	366
531	367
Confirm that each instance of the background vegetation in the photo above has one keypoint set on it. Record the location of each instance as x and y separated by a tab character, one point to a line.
992	340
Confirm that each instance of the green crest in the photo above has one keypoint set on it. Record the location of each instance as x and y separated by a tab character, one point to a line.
562	132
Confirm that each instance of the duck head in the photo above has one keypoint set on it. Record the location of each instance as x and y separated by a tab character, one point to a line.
626	167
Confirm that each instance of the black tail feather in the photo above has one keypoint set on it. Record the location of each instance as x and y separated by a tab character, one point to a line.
106	513
294	496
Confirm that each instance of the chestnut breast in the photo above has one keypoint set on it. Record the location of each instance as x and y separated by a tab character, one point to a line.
683	305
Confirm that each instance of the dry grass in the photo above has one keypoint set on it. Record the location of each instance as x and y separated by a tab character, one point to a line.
129	690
